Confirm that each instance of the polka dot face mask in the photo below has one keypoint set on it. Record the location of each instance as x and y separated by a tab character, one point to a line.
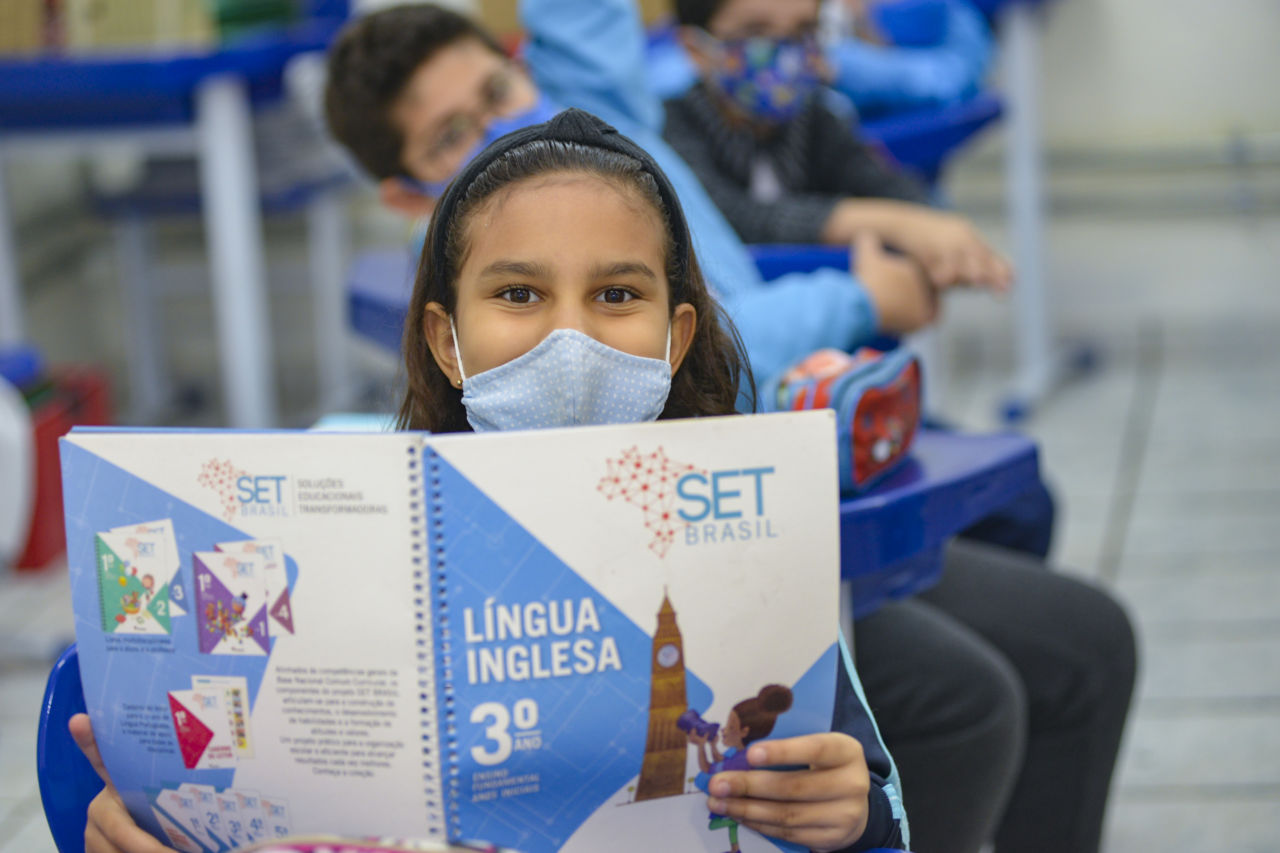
569	379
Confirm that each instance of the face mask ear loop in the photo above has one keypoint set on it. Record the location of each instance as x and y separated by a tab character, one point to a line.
457	353
668	342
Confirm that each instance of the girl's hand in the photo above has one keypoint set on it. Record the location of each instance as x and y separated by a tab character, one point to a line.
822	808
110	828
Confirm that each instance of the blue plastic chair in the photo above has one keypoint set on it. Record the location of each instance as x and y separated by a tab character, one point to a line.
67	780
923	141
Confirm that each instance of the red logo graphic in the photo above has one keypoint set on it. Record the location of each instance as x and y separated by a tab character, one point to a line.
648	481
220	476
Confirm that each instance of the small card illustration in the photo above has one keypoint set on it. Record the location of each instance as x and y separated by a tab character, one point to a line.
172	559
275	811
249	805
184	809
176	835
232	821
235	692
272	553
231	603
207	812
200	725
131	587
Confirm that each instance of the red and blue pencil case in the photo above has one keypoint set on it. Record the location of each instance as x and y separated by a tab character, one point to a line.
877	401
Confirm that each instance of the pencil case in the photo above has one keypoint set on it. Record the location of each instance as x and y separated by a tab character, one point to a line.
876	396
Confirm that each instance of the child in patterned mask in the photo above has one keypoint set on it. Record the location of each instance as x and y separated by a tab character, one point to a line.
781	166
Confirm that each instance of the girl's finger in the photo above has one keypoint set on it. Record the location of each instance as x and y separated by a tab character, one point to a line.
942	272
96	842
1004	271
82	732
830	749
976	270
782	814
830	783
110	818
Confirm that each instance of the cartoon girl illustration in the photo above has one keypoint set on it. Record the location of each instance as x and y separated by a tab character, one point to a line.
749	721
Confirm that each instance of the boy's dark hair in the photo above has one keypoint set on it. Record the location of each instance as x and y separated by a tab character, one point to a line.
696	13
707	382
369	65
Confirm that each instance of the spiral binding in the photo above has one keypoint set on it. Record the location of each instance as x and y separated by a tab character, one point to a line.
425	629
440	598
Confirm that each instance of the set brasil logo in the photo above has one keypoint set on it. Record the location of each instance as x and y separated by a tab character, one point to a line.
703	507
242	493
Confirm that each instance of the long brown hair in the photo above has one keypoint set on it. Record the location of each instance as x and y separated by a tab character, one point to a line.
708	380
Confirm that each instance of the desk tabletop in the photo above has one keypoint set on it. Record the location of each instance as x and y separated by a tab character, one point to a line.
951	480
891	537
54	91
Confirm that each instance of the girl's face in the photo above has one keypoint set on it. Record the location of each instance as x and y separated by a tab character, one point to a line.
560	251
733	732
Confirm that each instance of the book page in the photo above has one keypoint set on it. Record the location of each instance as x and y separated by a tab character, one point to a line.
247	629
609	591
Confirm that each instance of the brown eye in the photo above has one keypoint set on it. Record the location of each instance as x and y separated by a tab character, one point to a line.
519	295
616	295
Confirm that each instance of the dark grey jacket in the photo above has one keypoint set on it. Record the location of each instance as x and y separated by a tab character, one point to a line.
817	158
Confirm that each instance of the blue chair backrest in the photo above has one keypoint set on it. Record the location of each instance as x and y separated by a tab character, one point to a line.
67	780
778	259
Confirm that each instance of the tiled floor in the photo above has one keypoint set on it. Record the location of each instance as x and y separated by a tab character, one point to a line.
1166	460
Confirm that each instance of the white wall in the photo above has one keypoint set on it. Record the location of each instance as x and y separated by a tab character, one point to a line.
1160	72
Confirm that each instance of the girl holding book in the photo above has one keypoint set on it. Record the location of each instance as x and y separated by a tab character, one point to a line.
559	286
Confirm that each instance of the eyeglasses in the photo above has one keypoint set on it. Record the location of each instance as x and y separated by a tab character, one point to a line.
463	129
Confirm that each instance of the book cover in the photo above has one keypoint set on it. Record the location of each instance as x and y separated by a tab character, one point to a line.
508	637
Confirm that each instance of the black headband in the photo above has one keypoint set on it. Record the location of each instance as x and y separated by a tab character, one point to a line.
581	128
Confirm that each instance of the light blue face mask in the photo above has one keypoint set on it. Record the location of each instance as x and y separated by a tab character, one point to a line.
569	379
498	127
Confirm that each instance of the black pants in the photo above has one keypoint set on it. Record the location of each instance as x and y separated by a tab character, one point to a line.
1001	694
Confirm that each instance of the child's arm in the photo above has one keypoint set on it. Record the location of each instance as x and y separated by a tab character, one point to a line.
590	54
700	748
890	77
798	313
110	828
949	248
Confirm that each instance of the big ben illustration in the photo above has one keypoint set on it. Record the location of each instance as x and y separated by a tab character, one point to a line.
665	748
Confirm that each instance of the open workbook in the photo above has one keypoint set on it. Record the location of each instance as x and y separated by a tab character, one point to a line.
519	637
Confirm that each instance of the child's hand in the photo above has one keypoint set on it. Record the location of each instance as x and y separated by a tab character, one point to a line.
904	301
110	828
951	250
821	808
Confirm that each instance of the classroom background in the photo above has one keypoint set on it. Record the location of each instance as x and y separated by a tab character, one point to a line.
1132	170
